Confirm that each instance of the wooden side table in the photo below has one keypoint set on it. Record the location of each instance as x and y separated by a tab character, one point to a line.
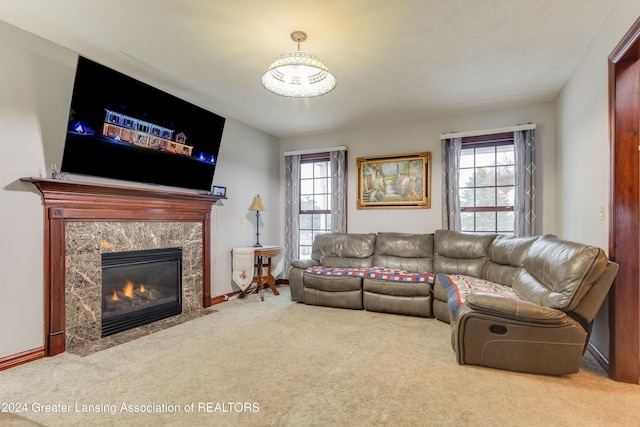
261	255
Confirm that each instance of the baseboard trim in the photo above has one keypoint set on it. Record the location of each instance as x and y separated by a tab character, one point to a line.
600	358
21	358
223	298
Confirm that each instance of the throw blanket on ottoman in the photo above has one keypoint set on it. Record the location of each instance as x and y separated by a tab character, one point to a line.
379	273
459	286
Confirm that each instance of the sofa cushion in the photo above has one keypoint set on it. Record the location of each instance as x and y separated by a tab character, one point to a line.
396	275
506	256
404	251
558	273
344	249
400	289
336	271
460	253
375	273
459	287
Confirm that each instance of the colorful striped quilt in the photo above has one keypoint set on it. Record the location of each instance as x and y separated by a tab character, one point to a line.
459	286
378	273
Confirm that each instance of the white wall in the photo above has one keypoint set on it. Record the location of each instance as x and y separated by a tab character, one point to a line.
248	166
36	80
425	136
583	134
582	158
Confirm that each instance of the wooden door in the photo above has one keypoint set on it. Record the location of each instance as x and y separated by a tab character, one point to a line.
624	228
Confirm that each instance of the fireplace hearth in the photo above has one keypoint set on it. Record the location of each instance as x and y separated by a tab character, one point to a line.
140	287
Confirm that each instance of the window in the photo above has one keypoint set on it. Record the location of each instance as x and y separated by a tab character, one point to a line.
487	184
315	200
315	195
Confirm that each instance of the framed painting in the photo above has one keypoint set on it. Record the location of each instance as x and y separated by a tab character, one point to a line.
398	181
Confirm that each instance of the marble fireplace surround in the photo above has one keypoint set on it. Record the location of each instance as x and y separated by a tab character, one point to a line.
84	220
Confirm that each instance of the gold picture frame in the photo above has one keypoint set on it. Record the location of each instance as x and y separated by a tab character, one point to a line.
398	181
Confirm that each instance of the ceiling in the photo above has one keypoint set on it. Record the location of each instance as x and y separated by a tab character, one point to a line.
395	60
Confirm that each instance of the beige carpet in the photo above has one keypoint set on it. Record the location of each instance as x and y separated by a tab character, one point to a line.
280	363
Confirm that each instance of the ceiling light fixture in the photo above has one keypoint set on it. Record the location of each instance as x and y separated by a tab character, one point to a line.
298	74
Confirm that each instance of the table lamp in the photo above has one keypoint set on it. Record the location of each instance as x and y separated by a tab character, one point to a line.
258	206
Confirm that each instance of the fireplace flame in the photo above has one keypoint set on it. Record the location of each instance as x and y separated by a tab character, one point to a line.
128	289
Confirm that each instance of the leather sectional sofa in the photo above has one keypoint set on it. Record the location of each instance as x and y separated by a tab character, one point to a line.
518	303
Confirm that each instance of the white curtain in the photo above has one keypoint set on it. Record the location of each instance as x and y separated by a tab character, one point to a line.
338	161
291	210
525	186
451	149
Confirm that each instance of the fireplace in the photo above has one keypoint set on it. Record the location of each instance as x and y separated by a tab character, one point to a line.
140	287
84	220
102	257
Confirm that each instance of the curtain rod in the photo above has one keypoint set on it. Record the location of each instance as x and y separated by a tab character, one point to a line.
316	150
487	131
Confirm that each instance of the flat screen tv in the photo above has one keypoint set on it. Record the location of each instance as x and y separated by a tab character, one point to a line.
124	129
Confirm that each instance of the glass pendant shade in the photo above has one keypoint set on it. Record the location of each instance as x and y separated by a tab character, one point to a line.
298	74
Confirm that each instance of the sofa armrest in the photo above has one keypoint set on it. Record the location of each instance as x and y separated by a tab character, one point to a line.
296	280
304	263
514	309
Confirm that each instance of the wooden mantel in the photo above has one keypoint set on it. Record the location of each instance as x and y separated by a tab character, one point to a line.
66	201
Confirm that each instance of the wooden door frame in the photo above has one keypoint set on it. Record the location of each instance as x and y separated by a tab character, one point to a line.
624	224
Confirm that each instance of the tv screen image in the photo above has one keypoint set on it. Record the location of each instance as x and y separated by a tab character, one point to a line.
122	128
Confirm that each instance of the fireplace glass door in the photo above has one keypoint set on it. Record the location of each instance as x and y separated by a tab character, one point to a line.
140	287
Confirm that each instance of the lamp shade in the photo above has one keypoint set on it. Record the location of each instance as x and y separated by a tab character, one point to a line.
298	74
257	205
